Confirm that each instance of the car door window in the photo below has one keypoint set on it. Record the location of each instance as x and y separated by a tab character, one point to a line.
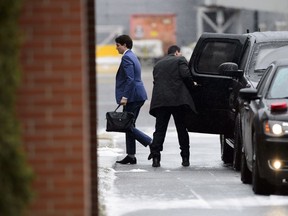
215	53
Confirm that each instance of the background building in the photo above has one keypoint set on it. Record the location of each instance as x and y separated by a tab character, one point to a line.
192	17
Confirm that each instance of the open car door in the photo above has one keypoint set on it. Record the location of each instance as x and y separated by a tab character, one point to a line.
213	96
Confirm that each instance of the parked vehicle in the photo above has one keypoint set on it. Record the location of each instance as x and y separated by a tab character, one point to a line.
222	64
264	120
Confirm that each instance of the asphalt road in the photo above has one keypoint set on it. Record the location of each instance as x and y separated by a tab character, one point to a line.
206	188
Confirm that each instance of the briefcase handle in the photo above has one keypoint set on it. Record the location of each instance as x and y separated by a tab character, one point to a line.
117	107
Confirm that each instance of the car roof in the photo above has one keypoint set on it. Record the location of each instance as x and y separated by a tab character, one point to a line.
269	36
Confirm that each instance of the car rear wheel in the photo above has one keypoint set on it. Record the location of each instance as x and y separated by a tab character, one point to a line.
260	185
226	150
246	175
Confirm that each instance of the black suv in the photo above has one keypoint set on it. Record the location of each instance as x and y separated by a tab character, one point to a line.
222	64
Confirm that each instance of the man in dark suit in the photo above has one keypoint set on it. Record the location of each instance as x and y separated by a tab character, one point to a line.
171	96
130	93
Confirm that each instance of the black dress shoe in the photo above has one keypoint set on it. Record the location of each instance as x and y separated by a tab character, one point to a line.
156	162
128	160
185	162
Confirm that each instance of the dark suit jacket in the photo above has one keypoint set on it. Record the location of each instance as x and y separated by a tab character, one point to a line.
169	89
128	79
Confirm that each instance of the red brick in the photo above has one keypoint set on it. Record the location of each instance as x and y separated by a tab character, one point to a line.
51	101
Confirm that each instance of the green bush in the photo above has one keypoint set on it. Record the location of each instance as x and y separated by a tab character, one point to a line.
15	174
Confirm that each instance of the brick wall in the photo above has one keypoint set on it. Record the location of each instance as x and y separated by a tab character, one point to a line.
56	105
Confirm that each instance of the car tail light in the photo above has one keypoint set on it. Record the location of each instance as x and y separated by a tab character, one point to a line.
282	106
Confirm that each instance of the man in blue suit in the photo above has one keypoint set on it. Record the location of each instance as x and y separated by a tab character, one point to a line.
130	92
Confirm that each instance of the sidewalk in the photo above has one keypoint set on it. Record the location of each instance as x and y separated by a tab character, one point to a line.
107	154
138	182
111	147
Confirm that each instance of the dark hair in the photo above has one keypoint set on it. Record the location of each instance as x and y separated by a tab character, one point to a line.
124	39
173	49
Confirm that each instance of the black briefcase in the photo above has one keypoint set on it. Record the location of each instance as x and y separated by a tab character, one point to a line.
119	121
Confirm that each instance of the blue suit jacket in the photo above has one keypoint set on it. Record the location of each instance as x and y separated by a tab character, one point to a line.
128	79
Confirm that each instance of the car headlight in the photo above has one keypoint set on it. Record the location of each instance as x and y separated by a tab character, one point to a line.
275	128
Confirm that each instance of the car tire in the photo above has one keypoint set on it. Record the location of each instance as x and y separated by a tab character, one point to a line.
259	185
226	150
237	145
246	175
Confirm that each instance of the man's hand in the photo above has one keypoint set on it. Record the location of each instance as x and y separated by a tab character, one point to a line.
123	101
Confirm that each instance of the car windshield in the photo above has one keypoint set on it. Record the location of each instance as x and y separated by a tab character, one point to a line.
263	55
278	87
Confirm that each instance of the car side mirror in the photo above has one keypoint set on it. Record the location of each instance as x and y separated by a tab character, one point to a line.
249	94
230	69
